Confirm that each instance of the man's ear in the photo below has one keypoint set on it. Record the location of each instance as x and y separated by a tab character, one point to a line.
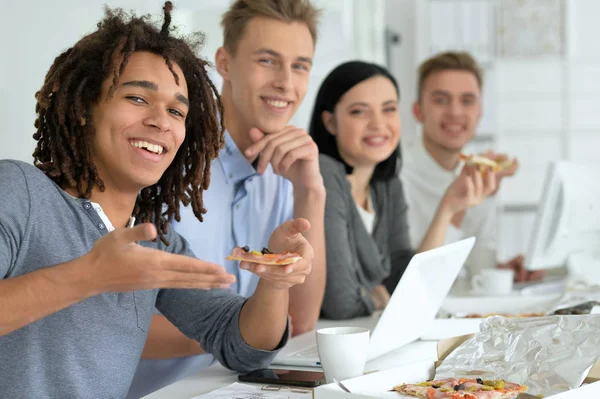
329	122
417	112
222	61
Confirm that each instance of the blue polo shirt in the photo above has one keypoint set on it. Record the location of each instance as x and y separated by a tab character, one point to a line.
243	208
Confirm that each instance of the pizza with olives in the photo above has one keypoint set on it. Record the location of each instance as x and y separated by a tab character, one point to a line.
462	388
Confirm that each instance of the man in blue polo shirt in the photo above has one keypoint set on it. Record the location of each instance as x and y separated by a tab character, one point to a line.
266	173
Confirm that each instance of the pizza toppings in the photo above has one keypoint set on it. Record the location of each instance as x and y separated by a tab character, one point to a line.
263	251
264	257
462	388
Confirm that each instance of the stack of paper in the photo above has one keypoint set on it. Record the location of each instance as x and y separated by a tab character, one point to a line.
243	391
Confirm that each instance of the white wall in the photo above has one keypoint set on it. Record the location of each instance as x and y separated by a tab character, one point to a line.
33	33
350	29
400	17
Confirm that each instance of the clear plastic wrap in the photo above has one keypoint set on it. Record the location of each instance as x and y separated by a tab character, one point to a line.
548	354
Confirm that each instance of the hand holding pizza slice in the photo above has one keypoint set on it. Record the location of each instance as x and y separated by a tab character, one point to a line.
288	262
470	188
500	164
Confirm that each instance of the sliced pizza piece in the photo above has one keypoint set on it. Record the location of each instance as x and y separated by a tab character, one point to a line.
264	257
503	162
484	163
416	390
434	389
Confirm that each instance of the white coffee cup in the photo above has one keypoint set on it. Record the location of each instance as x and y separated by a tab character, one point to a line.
493	282
342	351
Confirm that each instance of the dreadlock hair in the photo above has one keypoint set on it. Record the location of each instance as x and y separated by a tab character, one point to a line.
73	84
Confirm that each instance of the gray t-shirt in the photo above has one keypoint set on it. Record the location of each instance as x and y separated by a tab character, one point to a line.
91	349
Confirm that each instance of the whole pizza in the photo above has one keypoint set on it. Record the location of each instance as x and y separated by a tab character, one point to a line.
462	388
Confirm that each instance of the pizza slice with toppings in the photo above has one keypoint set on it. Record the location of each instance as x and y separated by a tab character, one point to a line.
263	257
484	163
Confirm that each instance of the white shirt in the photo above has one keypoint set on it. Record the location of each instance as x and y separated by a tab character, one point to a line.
425	182
103	217
367	216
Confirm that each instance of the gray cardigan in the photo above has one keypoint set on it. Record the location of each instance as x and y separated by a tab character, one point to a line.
357	261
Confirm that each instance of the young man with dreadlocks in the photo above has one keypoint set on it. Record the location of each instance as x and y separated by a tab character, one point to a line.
127	126
267	173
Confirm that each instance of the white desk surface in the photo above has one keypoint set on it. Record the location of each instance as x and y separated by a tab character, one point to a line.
216	376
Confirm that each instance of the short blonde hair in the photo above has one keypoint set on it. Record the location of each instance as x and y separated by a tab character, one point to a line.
240	13
449	61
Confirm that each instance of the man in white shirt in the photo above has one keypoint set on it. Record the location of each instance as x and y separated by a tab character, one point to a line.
449	108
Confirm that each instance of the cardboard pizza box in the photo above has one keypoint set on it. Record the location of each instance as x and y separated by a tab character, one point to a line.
378	384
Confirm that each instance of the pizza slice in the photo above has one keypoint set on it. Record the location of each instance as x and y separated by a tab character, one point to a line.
264	257
463	388
513	315
503	162
484	163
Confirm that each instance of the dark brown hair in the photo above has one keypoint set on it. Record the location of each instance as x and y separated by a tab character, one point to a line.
74	83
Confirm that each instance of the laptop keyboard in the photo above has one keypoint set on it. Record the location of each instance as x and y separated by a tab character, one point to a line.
309	351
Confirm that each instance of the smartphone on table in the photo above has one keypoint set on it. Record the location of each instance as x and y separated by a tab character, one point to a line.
298	378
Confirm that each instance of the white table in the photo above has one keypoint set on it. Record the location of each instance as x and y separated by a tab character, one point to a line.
209	379
217	376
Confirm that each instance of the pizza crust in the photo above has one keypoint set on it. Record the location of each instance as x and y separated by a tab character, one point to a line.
263	261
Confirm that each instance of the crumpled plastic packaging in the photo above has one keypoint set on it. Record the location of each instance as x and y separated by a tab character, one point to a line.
548	354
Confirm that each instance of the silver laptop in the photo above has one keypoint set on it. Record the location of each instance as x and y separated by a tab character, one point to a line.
409	314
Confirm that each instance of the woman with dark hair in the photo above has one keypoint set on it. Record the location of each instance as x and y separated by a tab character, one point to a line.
356	125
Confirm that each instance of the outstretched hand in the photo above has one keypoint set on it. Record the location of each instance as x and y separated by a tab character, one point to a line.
122	265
